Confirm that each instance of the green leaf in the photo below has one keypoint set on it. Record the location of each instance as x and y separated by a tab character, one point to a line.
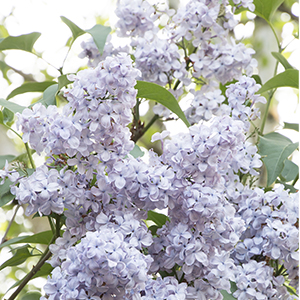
227	296
293	126
223	87
5	194
31	296
266	8
12	106
20	256
63	81
288	78
24	158
45	270
153	229
289	172
43	238
76	31
286	186
4	158
257	79
30	87
282	60
99	34
275	149
159	94
22	42
136	151
291	289
49	96
8	116
157	218
5	68
1	117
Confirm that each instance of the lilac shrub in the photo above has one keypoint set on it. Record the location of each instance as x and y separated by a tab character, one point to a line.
220	230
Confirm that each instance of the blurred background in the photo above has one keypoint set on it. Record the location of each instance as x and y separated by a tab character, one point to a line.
16	67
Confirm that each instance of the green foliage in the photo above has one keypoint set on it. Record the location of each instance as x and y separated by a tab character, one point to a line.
257	79
49	96
289	172
76	31
99	34
45	270
282	60
30	87
8	116
23	42
39	238
21	254
157	218
136	151
226	295
4	68
266	8
4	158
289	77
153	229
31	296
293	126
159	94
5	195
12	106
275	149
63	81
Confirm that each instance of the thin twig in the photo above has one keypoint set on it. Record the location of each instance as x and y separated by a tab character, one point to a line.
9	225
47	254
29	276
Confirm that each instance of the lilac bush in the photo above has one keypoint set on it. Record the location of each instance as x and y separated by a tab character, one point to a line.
215	232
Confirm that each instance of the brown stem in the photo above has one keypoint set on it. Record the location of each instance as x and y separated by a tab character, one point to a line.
29	276
141	132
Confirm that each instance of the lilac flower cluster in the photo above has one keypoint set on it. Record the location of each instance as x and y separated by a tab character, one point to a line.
222	62
9	174
272	232
215	57
47	190
95	117
202	232
136	17
240	102
210	150
158	60
197	22
253	281
201	25
218	230
91	51
167	288
102	266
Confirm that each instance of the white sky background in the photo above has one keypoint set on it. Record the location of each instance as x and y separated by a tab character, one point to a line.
44	16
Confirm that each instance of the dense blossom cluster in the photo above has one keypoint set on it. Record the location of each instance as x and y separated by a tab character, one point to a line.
240	102
219	229
102	265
